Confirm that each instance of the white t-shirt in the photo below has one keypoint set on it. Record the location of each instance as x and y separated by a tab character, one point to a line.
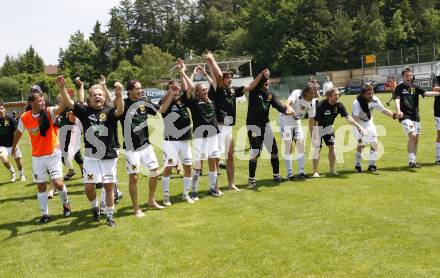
300	106
327	86
373	105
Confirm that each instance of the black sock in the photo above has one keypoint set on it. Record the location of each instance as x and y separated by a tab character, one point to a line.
252	168
275	165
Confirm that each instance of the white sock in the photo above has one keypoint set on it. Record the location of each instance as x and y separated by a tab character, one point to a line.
372	158
166	186
42	200
358	158
437	151
11	169
411	157
21	172
195	181
94	203
186	184
212	176
63	195
301	162
109	211
103	195
288	162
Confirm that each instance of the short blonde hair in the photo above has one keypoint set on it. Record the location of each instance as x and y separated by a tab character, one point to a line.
330	92
96	87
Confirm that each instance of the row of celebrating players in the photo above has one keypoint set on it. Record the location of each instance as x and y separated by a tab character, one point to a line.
213	114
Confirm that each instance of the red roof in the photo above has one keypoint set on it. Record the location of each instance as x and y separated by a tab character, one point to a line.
51	69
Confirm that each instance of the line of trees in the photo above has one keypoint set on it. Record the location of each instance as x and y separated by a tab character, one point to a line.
143	37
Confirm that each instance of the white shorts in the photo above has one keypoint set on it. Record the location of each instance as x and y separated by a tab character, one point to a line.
411	126
47	164
145	157
100	170
7	151
289	132
225	133
175	150
371	135
437	123
205	148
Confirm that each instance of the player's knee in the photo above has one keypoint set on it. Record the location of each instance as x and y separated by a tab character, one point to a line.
154	173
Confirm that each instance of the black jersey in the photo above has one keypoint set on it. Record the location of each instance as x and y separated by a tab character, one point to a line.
138	112
225	103
409	100
327	113
102	123
437	107
63	119
203	116
177	123
259	104
7	128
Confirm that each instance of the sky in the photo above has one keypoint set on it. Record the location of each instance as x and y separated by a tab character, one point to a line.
47	24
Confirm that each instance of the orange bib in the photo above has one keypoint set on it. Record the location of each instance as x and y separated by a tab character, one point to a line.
40	145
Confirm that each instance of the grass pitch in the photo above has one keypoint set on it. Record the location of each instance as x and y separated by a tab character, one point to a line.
352	225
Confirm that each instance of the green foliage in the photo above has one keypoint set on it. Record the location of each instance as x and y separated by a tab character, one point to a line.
10	66
125	72
9	89
79	57
154	63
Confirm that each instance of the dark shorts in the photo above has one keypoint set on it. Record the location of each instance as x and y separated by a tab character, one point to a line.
329	139
257	141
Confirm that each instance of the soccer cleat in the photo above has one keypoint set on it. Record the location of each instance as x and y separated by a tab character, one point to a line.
277	178
96	214
66	210
111	222
414	165
166	200
222	164
316	175
185	197
50	194
44	219
358	169
22	177
372	168
252	184
302	176
13	177
437	162
214	193
118	197
69	175
193	196
290	177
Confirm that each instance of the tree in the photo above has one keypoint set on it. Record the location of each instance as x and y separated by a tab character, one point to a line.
10	66
102	60
154	63
78	59
396	35
125	72
9	89
30	62
118	35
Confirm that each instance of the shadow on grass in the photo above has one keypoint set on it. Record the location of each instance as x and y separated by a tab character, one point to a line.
78	221
34	197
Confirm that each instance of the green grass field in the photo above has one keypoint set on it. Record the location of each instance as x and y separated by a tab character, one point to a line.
352	225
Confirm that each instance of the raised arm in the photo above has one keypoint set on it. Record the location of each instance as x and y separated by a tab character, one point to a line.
119	103
108	98
65	103
214	70
258	81
187	84
166	101
81	95
208	77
